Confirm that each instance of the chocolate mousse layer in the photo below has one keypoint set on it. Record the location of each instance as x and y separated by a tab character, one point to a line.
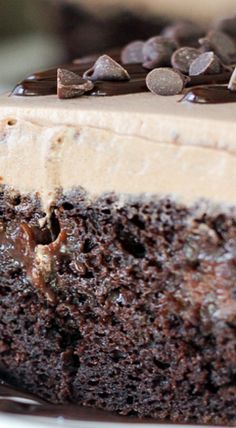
124	305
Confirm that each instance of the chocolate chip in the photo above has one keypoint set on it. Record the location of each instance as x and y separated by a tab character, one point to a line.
157	52
206	63
183	58
133	53
71	85
105	68
232	82
185	33
220	43
165	81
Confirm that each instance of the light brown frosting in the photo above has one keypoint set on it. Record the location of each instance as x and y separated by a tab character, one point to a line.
132	144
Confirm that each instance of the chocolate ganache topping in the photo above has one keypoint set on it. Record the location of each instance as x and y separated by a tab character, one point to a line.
45	83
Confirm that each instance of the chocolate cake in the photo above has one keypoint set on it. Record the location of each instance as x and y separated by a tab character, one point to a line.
118	233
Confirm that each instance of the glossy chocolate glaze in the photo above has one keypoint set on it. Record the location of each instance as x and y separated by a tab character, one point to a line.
215	94
210	79
45	83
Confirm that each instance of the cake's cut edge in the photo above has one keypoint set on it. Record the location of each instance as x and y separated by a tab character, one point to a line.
126	306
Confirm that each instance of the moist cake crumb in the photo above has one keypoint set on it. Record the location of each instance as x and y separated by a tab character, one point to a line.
142	319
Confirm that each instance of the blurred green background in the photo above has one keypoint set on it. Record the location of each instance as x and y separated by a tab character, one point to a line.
21	16
27	41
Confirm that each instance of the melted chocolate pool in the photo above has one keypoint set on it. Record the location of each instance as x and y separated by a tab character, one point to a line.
216	94
45	83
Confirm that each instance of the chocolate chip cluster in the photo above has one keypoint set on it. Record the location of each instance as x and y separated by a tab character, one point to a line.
171	60
71	85
172	65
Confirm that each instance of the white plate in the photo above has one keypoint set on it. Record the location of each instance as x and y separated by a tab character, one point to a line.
16	421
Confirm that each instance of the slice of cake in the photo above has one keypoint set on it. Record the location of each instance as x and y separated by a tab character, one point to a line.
118	237
118	232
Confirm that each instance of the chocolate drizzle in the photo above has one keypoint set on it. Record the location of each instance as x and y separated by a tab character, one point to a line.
45	83
215	94
210	79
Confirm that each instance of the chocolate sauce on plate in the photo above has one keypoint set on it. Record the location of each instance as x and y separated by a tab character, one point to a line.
16	401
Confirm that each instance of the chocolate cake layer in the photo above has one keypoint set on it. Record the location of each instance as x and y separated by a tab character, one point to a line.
126	306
